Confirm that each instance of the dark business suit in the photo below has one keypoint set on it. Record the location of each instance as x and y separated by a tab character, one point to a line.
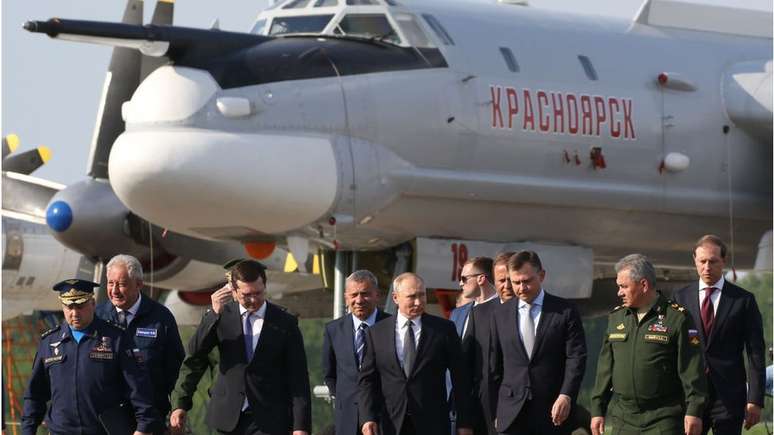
479	353
340	370
528	387
419	400
737	327
275	381
154	332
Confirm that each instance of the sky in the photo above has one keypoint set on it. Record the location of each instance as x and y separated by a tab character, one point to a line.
51	89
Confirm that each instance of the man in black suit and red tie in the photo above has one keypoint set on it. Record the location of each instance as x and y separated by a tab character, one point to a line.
404	369
344	347
728	323
538	354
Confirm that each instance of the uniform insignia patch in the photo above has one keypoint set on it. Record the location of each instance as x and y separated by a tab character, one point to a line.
694	341
620	327
147	332
658	327
693	337
95	354
53	359
617	336
657	338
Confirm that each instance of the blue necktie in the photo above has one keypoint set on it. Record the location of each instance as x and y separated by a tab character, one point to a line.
360	343
248	336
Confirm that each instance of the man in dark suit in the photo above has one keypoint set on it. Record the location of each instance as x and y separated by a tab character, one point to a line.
151	326
263	383
728	322
539	354
472	323
344	347
404	369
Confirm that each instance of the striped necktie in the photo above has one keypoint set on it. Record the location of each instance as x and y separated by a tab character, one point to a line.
360	343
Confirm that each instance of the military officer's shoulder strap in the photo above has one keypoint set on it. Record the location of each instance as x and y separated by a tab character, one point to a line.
50	331
677	307
616	308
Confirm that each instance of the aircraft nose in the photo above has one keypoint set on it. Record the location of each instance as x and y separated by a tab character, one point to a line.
221	185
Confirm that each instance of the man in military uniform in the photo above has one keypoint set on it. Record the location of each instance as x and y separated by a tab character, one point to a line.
650	363
88	370
150	325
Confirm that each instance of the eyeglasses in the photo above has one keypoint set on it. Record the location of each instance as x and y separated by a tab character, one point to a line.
465	278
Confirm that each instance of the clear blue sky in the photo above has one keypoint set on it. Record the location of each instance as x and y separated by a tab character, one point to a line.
51	89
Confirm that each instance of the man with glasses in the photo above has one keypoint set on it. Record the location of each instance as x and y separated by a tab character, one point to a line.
263	382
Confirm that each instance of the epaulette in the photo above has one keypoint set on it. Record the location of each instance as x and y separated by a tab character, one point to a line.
677	307
617	308
50	331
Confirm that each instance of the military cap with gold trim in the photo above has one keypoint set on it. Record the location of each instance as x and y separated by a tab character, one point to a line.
75	291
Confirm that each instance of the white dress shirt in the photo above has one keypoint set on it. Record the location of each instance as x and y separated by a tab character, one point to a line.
401	325
256	317
370	320
535	310
132	311
715	296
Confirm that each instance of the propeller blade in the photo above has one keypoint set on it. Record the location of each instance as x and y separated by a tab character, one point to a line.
162	15
122	79
10	143
28	161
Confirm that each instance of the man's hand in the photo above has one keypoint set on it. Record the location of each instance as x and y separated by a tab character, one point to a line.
561	409
220	298
692	425
177	421
370	428
752	415
464	431
597	425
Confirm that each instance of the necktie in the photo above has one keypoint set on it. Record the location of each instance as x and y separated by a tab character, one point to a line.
248	336
409	349
527	326
122	318
707	311
360	343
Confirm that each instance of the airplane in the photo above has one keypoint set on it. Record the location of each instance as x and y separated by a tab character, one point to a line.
454	128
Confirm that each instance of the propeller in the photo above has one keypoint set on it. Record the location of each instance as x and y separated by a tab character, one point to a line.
10	143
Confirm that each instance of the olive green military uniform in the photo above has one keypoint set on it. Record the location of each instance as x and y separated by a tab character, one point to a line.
650	372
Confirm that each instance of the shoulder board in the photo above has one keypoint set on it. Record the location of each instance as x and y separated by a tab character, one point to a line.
49	332
616	308
677	307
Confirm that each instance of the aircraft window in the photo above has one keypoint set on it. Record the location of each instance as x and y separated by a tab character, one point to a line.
588	68
442	34
368	25
361	2
259	27
301	24
416	37
296	4
20	281
324	3
510	60
30	280
14	250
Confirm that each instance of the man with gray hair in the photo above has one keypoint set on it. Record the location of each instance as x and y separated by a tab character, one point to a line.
344	346
650	364
151	325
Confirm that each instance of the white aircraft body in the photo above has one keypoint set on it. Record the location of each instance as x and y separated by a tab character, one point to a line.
360	127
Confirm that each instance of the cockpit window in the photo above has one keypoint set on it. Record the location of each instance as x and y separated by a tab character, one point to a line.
258	27
300	24
325	3
369	26
296	4
411	30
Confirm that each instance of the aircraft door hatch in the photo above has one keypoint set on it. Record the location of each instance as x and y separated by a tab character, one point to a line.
461	104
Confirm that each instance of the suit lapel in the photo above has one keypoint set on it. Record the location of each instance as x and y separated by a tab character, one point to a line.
724	307
425	337
546	315
348	335
514	316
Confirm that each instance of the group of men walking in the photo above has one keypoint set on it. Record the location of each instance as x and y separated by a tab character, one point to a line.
511	361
